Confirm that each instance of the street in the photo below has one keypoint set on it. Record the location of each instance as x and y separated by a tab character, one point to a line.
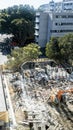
3	59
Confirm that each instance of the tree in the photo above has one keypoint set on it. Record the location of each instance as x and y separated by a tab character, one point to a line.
31	51
66	47
53	50
19	21
19	29
20	55
61	49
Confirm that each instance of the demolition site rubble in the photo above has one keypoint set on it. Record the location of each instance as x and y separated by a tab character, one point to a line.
43	98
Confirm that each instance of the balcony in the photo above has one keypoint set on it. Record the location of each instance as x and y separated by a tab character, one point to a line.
37	14
37	26
37	20
36	33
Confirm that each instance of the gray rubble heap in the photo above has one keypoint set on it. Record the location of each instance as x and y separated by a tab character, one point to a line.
37	87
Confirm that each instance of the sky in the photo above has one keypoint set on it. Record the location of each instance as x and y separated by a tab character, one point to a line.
34	3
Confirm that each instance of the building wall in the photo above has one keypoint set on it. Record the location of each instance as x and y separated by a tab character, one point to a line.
62	24
43	25
41	29
52	24
65	5
55	20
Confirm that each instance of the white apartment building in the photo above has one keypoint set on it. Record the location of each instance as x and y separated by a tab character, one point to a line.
57	6
54	22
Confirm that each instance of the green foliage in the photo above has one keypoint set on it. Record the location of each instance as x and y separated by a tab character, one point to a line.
32	51
20	55
60	49
66	47
53	50
19	21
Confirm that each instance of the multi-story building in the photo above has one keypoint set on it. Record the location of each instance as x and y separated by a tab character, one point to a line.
54	21
57	6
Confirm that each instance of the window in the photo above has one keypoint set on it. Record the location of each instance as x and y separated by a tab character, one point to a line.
60	31
57	16
66	4
64	16
70	16
61	24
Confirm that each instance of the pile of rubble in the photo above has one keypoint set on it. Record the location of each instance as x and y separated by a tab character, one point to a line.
32	98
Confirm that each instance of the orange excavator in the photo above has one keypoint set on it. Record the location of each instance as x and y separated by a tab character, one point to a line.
60	96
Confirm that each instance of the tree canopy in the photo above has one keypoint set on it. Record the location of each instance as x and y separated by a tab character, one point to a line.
19	21
60	49
20	55
52	49
66	47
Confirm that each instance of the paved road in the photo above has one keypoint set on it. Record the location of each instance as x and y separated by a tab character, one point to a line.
3	59
11	112
2	101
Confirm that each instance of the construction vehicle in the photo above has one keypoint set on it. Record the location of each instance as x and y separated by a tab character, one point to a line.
60	96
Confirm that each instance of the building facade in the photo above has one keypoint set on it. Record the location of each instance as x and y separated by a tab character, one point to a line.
54	22
57	6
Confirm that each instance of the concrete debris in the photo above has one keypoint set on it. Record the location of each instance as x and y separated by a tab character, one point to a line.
32	98
70	78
